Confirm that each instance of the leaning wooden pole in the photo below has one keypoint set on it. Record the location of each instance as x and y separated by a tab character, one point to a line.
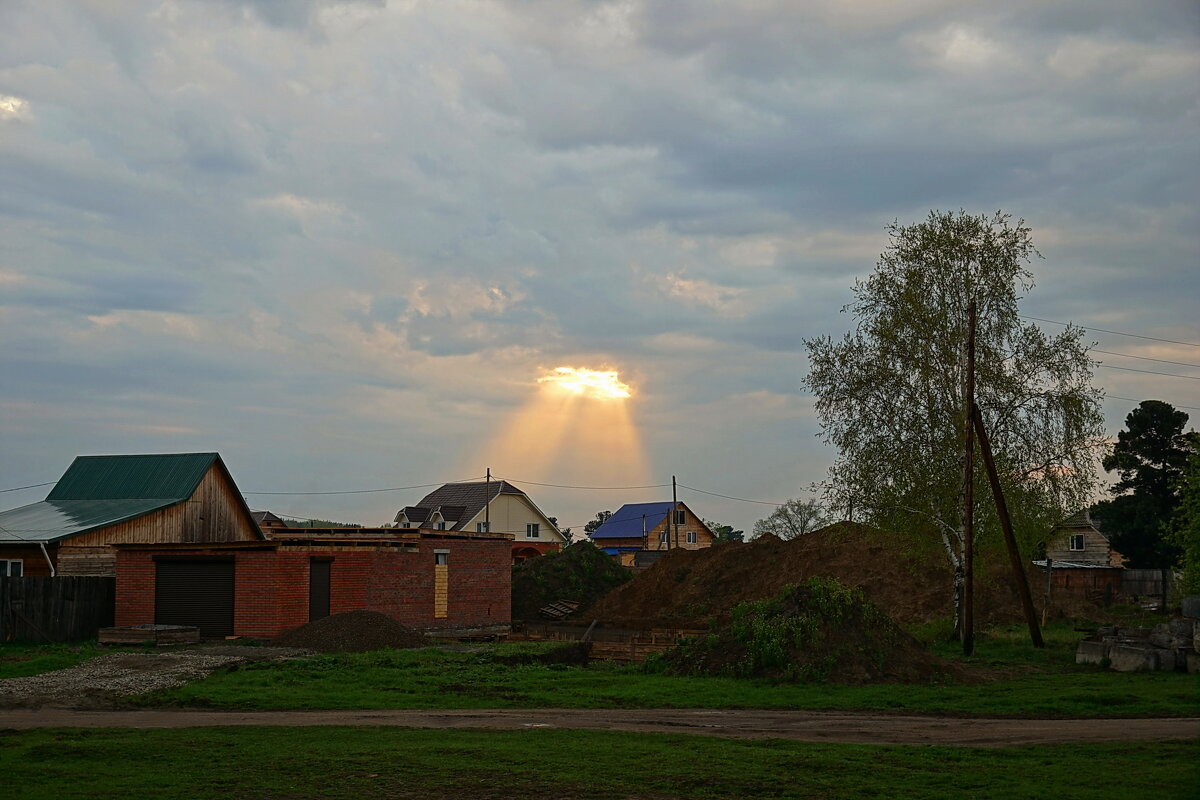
968	523
1014	553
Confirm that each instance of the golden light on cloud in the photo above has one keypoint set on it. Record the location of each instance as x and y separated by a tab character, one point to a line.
562	435
596	384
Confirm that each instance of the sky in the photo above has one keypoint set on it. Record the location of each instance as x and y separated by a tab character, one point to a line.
340	242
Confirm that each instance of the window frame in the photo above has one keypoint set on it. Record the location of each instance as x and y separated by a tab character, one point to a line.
8	562
533	530
693	537
1077	537
483	527
680	516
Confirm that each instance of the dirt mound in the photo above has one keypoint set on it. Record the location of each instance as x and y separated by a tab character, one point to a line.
688	588
352	632
818	631
581	572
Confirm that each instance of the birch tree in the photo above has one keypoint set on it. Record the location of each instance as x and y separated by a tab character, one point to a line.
890	393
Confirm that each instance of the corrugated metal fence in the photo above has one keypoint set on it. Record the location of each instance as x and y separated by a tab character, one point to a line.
65	609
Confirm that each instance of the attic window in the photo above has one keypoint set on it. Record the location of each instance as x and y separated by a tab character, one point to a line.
482	527
441	526
533	530
1077	541
691	537
680	516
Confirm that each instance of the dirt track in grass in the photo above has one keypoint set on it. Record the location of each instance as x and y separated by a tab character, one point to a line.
806	726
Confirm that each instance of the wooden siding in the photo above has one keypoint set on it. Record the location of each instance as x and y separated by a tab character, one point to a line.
1096	549
213	513
677	536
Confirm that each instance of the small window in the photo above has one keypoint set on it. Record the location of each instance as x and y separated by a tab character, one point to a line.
1076	541
662	538
441	558
680	516
533	530
12	569
441	526
482	527
691	537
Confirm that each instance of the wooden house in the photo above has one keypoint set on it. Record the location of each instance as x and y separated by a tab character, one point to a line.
482	507
1077	540
651	527
105	500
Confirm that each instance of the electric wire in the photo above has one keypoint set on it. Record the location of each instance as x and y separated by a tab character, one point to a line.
367	491
593	488
1150	372
1145	358
1104	330
1132	400
731	497
30	486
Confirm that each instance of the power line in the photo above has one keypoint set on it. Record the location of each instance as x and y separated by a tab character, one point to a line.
1146	358
1116	333
1132	400
30	486
731	497
365	491
1151	372
596	488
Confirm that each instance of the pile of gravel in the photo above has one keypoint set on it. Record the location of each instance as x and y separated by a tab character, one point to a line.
353	632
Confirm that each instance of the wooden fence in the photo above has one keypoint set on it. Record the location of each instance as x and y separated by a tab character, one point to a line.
1144	582
65	609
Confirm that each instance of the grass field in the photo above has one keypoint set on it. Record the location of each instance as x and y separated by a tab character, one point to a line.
299	763
1030	682
19	660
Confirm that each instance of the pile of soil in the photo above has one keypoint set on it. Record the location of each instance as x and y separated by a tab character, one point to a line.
689	588
819	631
581	572
353	632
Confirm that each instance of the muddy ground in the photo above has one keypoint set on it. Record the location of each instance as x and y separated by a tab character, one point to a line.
805	726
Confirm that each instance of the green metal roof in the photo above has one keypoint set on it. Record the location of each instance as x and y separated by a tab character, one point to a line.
135	477
97	491
49	521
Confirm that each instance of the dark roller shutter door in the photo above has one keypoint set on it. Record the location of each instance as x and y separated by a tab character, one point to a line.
198	593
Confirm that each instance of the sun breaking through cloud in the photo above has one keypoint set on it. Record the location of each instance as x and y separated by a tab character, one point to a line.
596	384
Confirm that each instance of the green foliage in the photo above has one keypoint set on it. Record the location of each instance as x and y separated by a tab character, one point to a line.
1150	457
890	394
601	518
798	635
581	572
1184	529
354	762
724	533
318	523
794	518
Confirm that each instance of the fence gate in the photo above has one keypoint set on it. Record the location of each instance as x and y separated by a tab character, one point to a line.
63	609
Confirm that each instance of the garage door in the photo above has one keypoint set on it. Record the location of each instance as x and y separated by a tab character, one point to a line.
198	593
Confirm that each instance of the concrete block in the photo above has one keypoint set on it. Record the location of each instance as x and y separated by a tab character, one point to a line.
1091	653
1193	663
1191	606
1132	659
1164	660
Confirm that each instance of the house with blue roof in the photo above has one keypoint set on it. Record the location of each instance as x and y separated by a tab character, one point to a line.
651	527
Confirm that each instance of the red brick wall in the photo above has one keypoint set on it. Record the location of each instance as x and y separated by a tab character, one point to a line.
271	586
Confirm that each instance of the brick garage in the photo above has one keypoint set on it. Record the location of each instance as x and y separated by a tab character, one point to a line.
395	574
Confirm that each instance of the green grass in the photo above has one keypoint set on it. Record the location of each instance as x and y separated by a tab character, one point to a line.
1030	682
20	660
299	763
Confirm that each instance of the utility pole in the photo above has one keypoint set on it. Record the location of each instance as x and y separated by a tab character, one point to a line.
1014	553
487	501
968	611
674	515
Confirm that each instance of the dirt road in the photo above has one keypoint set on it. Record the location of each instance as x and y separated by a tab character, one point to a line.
806	726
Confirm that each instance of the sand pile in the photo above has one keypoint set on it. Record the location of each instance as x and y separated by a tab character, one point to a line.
581	572
352	632
818	630
688	588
